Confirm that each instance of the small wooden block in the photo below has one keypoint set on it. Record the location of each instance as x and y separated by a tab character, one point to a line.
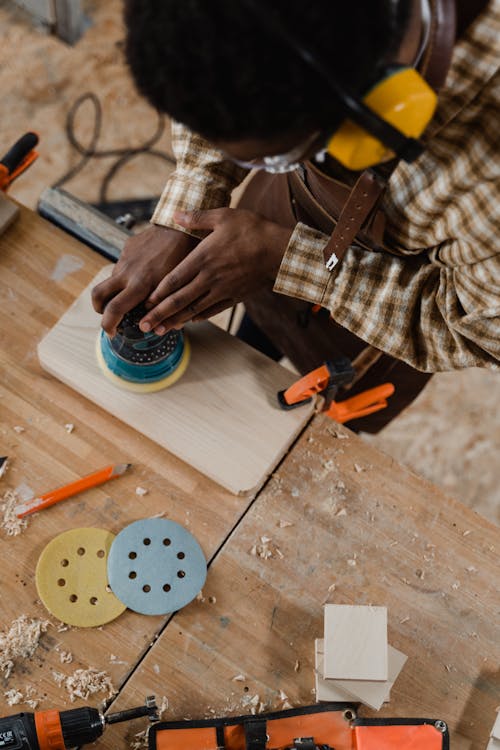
326	690
222	416
355	642
8	212
373	694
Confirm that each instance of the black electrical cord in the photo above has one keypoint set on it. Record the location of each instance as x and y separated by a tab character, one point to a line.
122	155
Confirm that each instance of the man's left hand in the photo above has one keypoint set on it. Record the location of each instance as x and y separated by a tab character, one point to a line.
241	254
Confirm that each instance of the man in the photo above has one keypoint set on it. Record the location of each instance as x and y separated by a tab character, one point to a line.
402	256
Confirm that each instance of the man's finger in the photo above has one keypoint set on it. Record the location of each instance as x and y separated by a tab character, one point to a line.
178	278
119	305
200	219
180	306
103	292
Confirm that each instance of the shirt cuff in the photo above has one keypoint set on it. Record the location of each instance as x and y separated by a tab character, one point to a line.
303	272
188	193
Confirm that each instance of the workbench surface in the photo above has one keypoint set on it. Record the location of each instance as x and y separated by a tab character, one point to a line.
360	529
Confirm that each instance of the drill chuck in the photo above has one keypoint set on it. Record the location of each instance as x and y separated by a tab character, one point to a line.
80	726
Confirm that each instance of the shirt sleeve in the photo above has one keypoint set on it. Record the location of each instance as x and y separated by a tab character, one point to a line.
203	179
429	310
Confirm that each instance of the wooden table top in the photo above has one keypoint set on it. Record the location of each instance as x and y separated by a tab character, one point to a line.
363	530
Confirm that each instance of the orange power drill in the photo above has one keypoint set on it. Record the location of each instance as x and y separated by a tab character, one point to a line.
61	730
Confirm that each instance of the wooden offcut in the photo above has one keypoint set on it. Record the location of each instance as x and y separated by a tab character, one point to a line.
8	213
355	643
222	417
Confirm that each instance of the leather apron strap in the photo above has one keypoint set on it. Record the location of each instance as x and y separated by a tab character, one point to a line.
357	211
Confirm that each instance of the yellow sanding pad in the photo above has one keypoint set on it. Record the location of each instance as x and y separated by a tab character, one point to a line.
158	385
72	580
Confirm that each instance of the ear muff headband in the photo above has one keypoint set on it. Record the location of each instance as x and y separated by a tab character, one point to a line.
366	137
404	100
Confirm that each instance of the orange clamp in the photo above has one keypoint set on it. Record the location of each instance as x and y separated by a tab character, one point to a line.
361	405
17	159
304	389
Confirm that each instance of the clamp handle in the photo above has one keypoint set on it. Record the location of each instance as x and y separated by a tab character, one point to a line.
17	159
361	405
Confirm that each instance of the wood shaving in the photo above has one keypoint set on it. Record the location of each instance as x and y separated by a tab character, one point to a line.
405	619
10	523
282	524
352	561
85	682
13	697
17	428
4	467
238	678
141	491
296	666
140	740
200	597
340	512
358	468
338	435
20	641
65	657
69	428
295	492
471	569
455	585
420	574
266	549
156	668
467	532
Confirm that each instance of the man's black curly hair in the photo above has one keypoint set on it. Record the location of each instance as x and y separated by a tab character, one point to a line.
216	67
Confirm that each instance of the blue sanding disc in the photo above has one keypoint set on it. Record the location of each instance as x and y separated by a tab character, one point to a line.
156	566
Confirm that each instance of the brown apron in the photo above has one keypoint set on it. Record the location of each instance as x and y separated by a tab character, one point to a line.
325	203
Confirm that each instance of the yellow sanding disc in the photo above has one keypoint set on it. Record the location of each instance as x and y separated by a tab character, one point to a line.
72	580
158	385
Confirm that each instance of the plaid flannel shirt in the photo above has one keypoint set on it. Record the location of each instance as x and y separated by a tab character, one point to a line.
433	301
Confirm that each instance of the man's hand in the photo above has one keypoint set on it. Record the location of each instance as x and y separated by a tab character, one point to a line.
144	261
242	253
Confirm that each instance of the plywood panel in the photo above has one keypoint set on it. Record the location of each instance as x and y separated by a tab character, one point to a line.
222	417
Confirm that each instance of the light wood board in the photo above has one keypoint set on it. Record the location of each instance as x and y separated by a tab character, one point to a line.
221	417
8	213
371	693
355	642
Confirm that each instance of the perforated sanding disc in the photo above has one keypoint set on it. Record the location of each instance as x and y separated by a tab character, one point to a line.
156	566
71	578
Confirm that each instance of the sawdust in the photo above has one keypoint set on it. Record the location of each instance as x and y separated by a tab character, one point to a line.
20	641
266	549
10	523
14	696
85	682
69	427
141	739
17	428
3	467
141	491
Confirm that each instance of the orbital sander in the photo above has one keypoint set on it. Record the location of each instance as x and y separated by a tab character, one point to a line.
142	362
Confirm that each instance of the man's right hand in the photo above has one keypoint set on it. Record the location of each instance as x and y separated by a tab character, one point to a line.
145	259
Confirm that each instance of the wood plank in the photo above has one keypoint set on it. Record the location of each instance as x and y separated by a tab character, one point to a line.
222	417
401	543
372	694
355	642
8	213
42	271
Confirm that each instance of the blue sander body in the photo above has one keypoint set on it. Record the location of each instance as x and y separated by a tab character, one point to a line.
142	362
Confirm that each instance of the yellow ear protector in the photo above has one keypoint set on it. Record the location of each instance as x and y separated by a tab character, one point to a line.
404	100
385	123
